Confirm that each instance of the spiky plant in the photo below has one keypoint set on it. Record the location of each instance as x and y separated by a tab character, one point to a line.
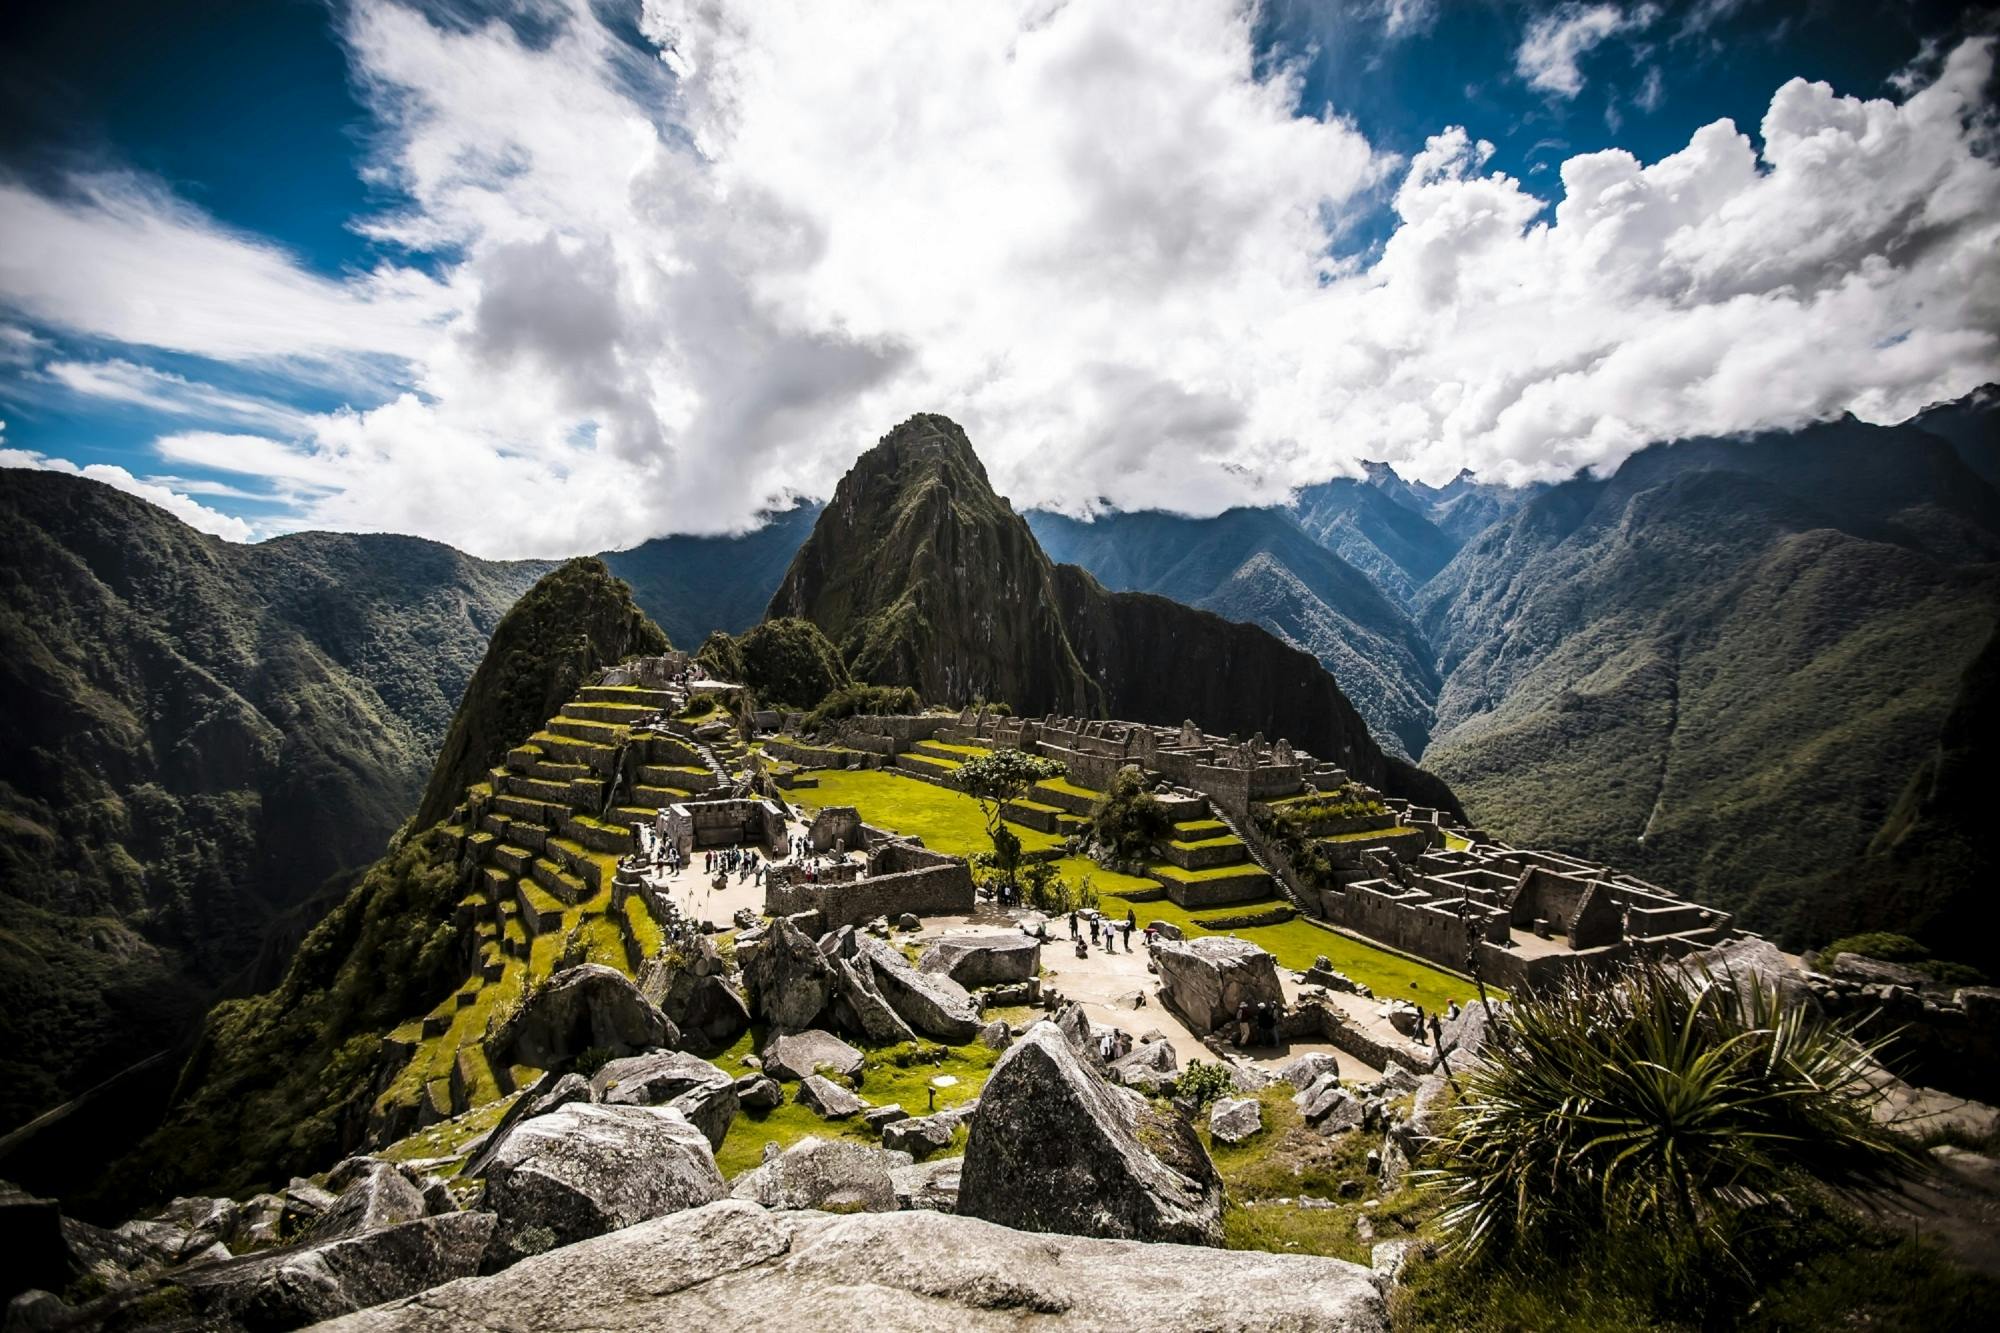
1666	1101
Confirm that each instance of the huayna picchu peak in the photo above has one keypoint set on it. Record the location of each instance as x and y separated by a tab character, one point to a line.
1175	667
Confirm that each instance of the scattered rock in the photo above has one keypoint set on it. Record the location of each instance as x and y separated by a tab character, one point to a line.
687	1083
931	1185
859	1007
583	1170
835	1176
996	1036
827	1098
1204	980
1048	1120
757	1092
689	987
545	1094
920	1136
589	1007
909	921
877	1117
935	1006
1149	1066
1234	1119
304	1202
1873	971
797	1054
34	1311
1330	1107
1388	1259
984	960
733	1265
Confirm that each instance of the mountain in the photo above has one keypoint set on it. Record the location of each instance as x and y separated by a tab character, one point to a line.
922	576
693	586
1722	666
197	736
282	1083
1260	567
1393	543
1461	509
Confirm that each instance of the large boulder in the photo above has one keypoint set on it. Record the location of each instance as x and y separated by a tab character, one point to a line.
1746	963
734	1266
1204	980
1149	1066
796	1054
589	1007
690	988
834	1175
1234	1119
31	1231
984	960
935	1006
687	1083
828	1099
1329	1107
304	1284
583	1170
859	1007
1055	1147
789	980
377	1194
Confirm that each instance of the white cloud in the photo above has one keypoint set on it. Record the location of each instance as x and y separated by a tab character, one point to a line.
675	299
183	507
1556	41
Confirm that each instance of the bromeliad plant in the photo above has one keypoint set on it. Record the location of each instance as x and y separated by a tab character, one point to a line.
1668	1101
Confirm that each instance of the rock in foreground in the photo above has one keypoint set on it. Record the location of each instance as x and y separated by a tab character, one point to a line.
732	1265
584	1008
1055	1147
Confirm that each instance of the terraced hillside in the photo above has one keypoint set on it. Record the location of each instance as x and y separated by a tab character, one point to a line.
539	840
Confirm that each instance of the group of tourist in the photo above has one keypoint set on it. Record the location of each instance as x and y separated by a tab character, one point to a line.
742	862
1104	932
1256	1025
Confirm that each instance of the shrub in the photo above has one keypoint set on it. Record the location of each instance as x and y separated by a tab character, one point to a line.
862	701
1201	1083
1879	944
1663	1104
1130	820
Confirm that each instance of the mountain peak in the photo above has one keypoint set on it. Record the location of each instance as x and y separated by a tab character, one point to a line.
927	439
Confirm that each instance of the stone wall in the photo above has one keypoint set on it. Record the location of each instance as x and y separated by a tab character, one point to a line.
732	822
940	889
1318	1018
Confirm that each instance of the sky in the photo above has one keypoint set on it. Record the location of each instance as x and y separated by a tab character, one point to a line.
556	276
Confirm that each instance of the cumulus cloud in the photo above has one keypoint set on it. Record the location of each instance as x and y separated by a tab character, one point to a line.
693	275
1556	41
183	507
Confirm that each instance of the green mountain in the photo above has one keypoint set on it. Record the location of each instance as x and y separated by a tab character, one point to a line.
197	737
1721	666
283	1082
922	576
1259	567
1386	538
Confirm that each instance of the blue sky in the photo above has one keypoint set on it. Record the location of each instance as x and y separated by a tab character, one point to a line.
295	264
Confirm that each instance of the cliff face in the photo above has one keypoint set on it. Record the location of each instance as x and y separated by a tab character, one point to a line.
922	576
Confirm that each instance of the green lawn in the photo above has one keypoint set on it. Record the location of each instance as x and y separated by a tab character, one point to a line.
1065	785
882	1082
947	820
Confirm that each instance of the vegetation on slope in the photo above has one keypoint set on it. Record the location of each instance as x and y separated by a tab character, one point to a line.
575	621
196	738
787	663
282	1082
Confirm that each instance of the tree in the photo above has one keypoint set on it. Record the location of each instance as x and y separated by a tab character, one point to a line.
995	779
1130	819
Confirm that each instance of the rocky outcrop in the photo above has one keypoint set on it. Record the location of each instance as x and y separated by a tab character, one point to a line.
995	959
931	1185
686	1083
589	1007
583	1170
835	1176
550	1091
734	1266
1149	1066
933	1005
692	990
373	1194
1204	980
797	1054
1055	1147
788	979
860	1008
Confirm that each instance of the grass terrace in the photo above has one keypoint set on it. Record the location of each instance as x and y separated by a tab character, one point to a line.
947	820
963	751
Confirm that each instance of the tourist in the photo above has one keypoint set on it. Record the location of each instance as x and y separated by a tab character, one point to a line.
1082	949
1243	1023
1130	921
1094	928
1072	927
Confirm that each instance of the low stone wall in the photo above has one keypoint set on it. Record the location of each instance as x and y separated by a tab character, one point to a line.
1317	1017
732	822
935	890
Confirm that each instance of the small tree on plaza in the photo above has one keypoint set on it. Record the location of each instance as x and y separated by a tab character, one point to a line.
995	779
